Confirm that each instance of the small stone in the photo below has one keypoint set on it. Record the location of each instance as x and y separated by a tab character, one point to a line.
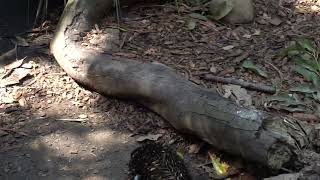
229	47
213	69
83	116
275	21
242	10
42	114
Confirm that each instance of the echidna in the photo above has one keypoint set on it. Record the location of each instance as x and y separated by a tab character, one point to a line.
153	161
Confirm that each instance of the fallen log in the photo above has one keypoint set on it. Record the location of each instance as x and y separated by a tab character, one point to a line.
270	139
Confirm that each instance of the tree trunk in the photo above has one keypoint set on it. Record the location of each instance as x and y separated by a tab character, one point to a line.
269	139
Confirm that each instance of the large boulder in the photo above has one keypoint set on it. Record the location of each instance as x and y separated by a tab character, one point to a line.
232	11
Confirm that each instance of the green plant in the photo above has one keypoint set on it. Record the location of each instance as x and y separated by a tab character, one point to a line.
117	8
177	4
305	55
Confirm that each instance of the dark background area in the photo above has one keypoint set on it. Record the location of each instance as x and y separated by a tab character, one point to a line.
17	17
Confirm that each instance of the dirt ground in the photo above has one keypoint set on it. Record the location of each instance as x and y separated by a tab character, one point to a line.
51	128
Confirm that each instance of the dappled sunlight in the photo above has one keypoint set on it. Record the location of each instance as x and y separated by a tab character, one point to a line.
70	145
103	136
307	6
94	177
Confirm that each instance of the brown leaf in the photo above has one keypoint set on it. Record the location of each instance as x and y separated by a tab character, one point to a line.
241	94
15	77
227	71
14	64
244	56
22	102
229	47
194	148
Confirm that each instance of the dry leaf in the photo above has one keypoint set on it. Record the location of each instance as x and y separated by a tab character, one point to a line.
14	64
7	100
241	94
83	116
15	77
194	148
151	137
22	102
226	48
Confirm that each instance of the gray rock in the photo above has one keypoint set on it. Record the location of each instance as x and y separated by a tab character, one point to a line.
232	11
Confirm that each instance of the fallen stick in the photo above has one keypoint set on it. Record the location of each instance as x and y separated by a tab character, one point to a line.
258	87
73	120
270	139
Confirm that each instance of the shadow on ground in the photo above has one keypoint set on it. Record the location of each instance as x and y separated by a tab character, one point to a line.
58	149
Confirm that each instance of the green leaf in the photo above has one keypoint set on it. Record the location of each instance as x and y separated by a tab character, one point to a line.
191	24
288	102
248	64
316	96
198	16
180	154
293	52
304	88
308	64
306	44
220	168
290	51
308	75
286	99
294	109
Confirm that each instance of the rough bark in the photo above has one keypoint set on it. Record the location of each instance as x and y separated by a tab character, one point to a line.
269	139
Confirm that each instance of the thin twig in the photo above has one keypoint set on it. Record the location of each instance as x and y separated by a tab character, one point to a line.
254	86
123	40
280	74
73	120
14	131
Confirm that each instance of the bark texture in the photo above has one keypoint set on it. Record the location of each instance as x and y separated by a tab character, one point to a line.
269	139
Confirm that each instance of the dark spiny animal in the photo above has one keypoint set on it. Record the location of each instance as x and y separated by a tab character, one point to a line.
153	161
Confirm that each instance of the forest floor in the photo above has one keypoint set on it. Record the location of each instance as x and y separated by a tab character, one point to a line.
52	128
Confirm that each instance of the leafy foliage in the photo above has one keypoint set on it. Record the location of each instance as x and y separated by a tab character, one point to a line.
305	55
248	64
220	168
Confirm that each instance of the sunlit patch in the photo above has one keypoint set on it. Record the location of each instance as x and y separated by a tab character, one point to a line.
307	6
63	144
103	136
70	145
94	177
